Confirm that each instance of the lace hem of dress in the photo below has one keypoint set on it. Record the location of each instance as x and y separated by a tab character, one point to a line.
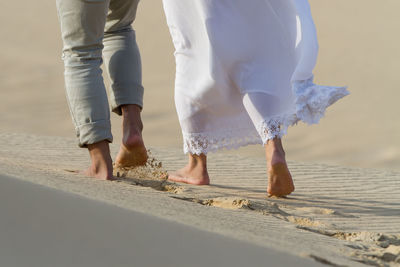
311	102
202	143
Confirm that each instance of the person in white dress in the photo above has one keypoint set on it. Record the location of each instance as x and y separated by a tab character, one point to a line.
243	75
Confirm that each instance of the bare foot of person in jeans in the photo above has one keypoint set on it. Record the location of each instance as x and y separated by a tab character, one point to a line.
101	163
132	151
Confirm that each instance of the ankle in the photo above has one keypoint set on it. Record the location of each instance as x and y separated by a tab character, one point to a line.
101	167
274	152
132	141
197	161
130	109
274	144
131	123
101	162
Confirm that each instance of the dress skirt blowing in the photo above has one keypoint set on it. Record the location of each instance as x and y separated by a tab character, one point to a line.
244	70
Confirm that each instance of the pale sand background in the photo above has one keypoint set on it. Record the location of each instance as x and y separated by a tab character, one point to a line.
358	47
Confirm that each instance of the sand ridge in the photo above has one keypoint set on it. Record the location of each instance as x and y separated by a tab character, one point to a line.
351	211
150	175
370	248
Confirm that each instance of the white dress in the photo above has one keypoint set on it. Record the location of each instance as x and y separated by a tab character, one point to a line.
244	70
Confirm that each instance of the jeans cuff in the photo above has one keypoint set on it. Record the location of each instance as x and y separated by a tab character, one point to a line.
94	132
131	96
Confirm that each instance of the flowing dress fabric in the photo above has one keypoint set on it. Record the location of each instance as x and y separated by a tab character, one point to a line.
244	70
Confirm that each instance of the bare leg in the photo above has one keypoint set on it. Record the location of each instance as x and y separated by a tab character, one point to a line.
280	182
101	166
132	151
195	172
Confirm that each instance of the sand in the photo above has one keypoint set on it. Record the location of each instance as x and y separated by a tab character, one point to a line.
46	227
340	215
358	48
346	207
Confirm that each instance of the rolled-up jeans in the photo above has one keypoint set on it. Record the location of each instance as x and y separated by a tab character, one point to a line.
88	26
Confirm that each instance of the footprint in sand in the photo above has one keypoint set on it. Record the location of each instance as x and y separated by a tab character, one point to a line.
227	203
149	175
220	202
377	256
370	248
316	211
309	222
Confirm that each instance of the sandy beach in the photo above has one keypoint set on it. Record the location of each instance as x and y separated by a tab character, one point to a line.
50	228
337	216
346	207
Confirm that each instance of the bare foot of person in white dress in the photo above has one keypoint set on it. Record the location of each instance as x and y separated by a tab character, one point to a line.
132	151
195	172
280	182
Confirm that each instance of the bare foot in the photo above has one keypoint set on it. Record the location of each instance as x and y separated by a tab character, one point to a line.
132	151
195	172
101	166
280	182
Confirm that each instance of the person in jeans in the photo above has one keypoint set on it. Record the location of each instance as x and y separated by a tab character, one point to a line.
90	30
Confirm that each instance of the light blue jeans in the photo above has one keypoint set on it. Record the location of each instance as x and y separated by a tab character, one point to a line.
88	26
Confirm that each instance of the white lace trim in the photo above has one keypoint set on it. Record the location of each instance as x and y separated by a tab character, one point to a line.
311	103
202	143
312	100
275	127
